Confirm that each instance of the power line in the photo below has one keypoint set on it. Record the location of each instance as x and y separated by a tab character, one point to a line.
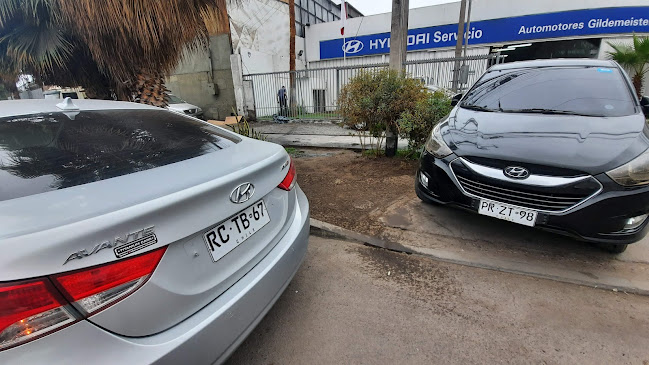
257	18
269	16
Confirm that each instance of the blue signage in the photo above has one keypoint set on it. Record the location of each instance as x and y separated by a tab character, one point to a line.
521	28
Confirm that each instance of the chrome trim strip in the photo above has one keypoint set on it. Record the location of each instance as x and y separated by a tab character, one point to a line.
534	180
549	212
521	193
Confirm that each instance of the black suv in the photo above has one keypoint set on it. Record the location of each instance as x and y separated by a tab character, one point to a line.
561	145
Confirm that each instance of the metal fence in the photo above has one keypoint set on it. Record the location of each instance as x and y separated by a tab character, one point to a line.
317	90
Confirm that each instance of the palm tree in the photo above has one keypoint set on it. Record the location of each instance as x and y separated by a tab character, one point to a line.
132	44
634	58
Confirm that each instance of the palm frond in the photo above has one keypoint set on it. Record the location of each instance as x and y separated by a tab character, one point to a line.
631	57
634	57
641	46
41	46
131	36
8	10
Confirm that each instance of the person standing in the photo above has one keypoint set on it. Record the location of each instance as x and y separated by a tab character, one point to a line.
281	99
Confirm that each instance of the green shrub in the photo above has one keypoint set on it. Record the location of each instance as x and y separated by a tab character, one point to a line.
373	101
417	123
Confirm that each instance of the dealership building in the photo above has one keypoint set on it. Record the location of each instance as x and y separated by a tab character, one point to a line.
522	30
248	58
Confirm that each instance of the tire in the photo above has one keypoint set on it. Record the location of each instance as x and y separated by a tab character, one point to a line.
615	247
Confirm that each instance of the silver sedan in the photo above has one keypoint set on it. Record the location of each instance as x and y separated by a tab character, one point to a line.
131	234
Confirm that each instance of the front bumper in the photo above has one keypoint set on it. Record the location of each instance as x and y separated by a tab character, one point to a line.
208	336
599	219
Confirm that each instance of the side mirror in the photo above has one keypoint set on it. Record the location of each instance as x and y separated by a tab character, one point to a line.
456	99
644	103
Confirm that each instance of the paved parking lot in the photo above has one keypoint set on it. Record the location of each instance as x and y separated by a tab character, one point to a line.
460	236
354	304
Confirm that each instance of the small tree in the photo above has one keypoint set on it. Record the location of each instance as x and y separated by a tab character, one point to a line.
416	124
635	58
374	100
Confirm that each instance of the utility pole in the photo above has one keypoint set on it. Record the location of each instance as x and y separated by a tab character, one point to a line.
291	62
398	49
458	45
399	34
468	29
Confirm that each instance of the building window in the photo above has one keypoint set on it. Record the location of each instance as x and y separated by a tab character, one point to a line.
314	12
299	30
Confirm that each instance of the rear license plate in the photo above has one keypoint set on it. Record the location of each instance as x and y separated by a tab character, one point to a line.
507	212
225	237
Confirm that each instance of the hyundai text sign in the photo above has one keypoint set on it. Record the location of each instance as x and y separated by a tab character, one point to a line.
539	26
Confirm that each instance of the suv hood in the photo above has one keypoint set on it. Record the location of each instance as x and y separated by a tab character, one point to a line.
591	145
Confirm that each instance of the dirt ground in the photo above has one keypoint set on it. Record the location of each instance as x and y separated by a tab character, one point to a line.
344	187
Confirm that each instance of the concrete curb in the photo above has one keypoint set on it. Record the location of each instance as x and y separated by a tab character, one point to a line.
609	282
326	230
322	141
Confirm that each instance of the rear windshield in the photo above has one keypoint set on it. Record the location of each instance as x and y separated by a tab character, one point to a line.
591	91
43	152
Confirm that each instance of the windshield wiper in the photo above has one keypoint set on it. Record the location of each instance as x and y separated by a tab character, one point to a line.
545	111
476	107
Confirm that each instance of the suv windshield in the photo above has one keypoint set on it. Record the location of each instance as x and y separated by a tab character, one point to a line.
590	91
173	99
43	152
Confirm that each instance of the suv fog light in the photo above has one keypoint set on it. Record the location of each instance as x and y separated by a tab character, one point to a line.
635	222
423	179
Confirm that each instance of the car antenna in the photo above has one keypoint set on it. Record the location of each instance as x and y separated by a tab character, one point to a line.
67	104
69	108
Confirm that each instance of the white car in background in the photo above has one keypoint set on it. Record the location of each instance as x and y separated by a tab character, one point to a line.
62	93
179	105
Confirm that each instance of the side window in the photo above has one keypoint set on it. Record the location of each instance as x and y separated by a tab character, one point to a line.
72	95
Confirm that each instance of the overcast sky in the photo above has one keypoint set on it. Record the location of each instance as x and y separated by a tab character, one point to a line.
369	7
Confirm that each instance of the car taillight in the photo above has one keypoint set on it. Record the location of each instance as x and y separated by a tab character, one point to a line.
30	309
95	288
289	181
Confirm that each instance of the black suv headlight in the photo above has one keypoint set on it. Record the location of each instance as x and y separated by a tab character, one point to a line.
436	145
633	173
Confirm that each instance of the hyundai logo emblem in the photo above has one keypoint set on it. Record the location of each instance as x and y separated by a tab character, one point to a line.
242	193
353	46
516	172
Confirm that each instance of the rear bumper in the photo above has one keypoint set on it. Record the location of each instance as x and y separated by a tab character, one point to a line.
208	336
599	219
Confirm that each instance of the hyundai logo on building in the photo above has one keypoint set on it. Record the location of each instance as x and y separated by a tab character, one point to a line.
353	46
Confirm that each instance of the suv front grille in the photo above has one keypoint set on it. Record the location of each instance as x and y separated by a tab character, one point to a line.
549	199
